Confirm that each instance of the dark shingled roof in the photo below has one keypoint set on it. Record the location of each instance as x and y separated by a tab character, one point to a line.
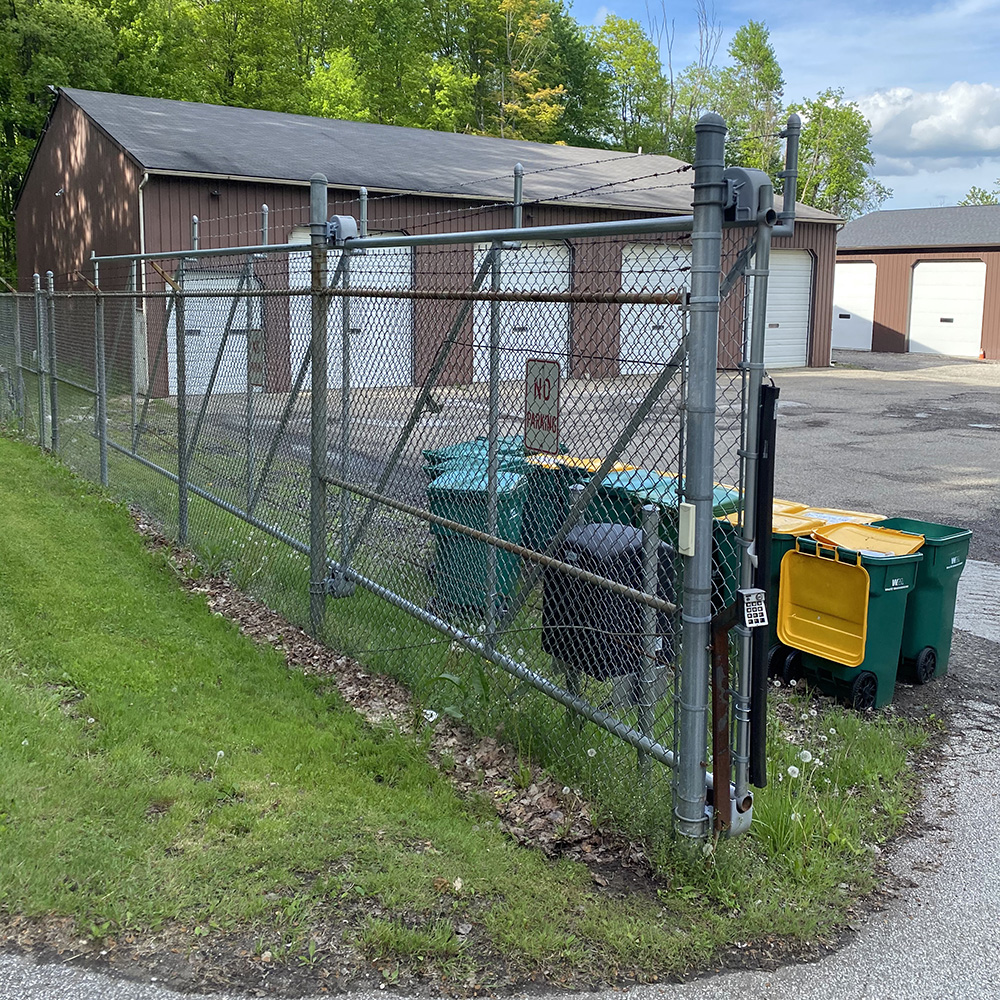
209	139
962	226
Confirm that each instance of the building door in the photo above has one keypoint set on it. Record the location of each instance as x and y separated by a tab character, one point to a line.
527	329
946	307
789	309
649	334
205	322
853	305
381	329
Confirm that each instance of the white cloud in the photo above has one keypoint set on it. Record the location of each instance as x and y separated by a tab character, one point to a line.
962	121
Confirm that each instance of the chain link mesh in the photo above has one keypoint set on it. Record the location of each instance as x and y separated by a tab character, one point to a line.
433	499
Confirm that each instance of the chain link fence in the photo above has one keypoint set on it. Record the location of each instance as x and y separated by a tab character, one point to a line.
482	443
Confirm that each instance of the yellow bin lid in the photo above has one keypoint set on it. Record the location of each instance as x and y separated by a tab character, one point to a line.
589	464
784	524
866	538
834	515
787	506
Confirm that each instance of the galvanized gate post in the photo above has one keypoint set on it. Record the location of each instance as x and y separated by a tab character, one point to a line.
318	408
492	449
706	268
180	335
18	363
39	355
100	376
50	292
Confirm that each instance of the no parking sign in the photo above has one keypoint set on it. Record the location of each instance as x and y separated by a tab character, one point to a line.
541	406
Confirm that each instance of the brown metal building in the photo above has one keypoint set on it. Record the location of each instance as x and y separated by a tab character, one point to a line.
115	174
920	280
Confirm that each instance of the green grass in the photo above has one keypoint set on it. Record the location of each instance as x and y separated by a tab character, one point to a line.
161	769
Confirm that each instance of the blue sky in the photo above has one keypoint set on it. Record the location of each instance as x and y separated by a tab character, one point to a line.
927	76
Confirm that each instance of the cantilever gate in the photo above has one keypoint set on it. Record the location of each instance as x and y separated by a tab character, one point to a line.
343	422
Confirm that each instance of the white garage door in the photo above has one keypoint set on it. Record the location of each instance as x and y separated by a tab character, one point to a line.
789	301
204	324
649	334
853	305
381	329
527	329
946	307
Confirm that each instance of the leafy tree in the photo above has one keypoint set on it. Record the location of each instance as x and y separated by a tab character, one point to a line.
980	196
633	66
835	157
42	43
333	90
748	95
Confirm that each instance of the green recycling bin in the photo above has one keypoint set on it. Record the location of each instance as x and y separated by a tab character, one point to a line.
474	449
461	495
844	610
506	462
930	609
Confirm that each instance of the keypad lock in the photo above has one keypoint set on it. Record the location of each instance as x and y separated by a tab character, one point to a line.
754	607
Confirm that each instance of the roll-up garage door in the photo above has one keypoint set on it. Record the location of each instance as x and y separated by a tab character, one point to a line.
205	324
946	307
649	334
381	329
789	301
853	305
527	329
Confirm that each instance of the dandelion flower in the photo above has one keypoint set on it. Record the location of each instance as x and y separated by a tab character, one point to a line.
793	771
24	743
777	683
833	732
812	712
805	756
792	683
823	738
220	755
796	817
591	752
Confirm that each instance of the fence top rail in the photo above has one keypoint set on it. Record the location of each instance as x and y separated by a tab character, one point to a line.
617	227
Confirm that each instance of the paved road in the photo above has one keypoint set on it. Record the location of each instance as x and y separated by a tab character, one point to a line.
916	436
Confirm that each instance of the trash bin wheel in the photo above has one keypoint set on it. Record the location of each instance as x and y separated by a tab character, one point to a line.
864	691
791	666
925	665
776	659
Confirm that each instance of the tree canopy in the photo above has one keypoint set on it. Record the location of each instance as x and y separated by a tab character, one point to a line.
980	196
515	68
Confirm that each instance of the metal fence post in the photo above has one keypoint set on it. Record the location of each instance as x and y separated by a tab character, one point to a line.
39	355
650	524
754	366
318	408
492	443
101	376
18	362
134	326
706	269
53	387
180	336
345	409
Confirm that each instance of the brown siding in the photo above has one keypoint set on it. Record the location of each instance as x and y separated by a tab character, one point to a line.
96	211
893	276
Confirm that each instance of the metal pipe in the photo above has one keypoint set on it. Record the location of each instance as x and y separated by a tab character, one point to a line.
194	232
790	176
492	455
102	384
265	217
318	403
754	369
345	411
581	230
53	381
39	355
640	597
706	267
248	412
161	351
286	412
363	215
649	521
721	753
182	440
133	312
18	363
518	195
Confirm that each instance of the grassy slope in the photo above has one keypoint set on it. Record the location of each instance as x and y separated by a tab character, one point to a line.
158	767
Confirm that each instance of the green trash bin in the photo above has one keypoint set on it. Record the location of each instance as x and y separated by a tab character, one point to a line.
472	449
930	609
461	495
844	610
506	462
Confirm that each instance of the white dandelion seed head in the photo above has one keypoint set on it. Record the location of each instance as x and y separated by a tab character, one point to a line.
805	756
793	771
591	752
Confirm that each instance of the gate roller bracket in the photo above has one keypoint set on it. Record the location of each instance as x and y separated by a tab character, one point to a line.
341	228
